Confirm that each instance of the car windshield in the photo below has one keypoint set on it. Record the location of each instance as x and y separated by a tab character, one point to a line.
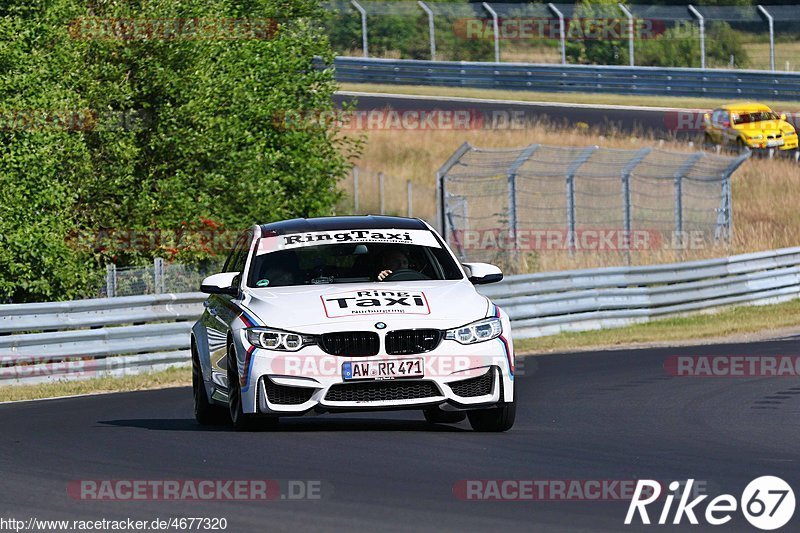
757	116
349	262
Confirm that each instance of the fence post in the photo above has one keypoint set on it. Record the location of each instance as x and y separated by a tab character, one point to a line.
513	221
702	23
630	31
679	175
431	28
771	23
561	32
158	275
409	194
364	38
380	192
573	168
111	280
441	188
355	190
496	28
626	198
725	214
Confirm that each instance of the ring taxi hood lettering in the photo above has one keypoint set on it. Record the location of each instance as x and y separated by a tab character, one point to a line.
385	236
363	302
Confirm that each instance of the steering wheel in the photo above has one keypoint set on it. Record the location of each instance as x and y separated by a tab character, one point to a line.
405	274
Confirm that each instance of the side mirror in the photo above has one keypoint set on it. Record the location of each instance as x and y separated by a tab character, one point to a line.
482	273
220	284
783	116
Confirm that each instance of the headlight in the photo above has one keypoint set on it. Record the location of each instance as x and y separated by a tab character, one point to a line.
276	339
756	137
485	329
789	133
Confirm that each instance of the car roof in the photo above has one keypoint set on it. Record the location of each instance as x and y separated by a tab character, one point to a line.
745	107
303	225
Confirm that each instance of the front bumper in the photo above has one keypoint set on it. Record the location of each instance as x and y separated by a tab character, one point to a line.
789	143
456	377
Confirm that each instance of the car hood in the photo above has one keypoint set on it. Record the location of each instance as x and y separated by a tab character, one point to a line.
322	308
766	127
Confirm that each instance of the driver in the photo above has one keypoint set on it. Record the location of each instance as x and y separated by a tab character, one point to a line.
392	259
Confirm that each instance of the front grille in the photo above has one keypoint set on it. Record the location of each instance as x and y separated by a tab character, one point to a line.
285	395
478	386
355	343
409	341
376	391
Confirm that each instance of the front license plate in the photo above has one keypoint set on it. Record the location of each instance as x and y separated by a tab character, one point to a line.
776	142
396	368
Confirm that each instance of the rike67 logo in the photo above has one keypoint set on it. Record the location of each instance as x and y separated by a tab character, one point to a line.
767	503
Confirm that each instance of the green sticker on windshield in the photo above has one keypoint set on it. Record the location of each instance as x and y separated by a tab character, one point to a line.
262	282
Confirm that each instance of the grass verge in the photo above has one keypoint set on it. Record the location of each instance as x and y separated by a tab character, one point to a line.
733	321
172	377
569	98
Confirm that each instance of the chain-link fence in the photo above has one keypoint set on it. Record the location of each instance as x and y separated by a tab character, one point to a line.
499	203
159	278
755	36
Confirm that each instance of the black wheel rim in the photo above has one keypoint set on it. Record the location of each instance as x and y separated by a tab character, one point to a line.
234	394
196	384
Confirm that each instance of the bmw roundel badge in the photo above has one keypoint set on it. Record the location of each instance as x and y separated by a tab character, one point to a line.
380	325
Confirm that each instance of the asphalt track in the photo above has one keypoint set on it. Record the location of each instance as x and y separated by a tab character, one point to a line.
662	122
603	415
659	122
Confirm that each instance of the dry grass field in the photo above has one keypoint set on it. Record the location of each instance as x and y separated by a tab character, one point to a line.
765	192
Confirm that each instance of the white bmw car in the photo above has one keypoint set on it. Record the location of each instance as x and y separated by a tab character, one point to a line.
344	314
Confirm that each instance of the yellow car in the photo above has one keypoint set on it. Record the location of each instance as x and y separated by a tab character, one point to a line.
749	125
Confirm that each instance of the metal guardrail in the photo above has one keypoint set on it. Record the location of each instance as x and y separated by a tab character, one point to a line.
99	337
660	81
118	336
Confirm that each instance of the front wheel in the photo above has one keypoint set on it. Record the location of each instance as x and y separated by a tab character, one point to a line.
205	412
494	419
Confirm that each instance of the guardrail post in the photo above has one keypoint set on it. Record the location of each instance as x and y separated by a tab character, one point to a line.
158	275
702	23
771	23
355	190
561	31
111	280
496	28
431	28
630	31
573	168
626	198
442	208
364	38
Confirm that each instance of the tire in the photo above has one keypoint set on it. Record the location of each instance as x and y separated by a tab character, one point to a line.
434	415
740	146
206	413
240	420
495	419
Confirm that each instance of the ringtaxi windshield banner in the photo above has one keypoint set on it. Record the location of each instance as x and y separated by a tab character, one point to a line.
415	237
